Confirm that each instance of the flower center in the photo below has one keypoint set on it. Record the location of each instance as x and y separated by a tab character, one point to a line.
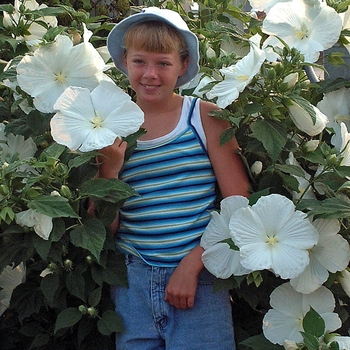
301	33
271	240
60	77
97	122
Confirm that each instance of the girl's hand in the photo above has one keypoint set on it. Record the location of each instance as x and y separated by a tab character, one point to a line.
182	286
111	159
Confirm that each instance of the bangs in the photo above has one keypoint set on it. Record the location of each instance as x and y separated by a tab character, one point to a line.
155	36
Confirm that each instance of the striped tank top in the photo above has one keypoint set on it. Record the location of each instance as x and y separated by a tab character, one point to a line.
176	185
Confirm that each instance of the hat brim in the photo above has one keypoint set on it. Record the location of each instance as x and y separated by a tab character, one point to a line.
116	37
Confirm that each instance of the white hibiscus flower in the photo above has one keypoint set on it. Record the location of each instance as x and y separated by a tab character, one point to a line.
239	75
309	26
330	254
272	235
285	319
54	67
93	120
218	257
10	278
41	223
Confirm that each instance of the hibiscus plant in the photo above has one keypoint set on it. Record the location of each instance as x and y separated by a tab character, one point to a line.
279	70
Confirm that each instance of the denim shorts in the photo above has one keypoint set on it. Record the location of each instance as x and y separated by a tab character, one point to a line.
153	324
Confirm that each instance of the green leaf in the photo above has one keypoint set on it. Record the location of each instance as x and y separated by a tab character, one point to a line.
41	246
40	340
53	206
67	318
310	341
49	285
111	190
110	323
90	236
76	284
259	342
313	323
271	135
95	296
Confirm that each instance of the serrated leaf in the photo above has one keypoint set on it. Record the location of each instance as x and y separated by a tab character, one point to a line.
53	206
95	296
67	318
90	236
111	190
271	136
110	323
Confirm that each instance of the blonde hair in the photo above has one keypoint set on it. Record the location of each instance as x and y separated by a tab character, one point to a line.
155	36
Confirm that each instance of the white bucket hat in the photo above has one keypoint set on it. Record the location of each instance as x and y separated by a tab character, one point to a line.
116	37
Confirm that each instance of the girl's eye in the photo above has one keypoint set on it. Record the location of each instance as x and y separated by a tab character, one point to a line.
164	64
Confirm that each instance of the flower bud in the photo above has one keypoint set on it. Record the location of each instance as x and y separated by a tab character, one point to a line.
311	146
92	311
68	265
65	192
83	309
256	167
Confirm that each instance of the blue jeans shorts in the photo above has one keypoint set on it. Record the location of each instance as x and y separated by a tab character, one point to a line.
153	324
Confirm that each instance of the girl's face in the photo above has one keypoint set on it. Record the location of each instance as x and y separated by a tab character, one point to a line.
152	75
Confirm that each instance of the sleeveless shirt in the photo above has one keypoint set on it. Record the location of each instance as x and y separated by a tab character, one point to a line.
176	185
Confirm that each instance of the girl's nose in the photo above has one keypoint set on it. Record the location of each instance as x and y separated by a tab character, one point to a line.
150	71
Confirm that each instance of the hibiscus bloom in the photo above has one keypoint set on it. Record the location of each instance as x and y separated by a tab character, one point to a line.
303	120
219	258
10	278
41	223
272	235
93	120
285	319
336	105
239	75
36	30
330	254
264	5
54	67
310	26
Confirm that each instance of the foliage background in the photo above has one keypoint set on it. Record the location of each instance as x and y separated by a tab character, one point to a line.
70	308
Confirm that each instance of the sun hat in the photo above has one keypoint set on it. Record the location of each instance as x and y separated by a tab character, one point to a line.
116	37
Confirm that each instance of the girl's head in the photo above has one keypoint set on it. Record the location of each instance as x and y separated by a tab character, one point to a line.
155	30
155	36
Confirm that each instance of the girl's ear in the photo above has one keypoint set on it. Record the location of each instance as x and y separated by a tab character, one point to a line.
184	66
124	59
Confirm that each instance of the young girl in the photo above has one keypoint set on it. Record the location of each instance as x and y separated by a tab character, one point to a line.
170	302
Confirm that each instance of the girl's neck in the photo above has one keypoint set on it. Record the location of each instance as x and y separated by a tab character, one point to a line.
161	119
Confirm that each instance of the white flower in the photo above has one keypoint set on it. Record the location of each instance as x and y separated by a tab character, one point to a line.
342	144
346	24
10	278
343	342
331	253
93	120
303	120
344	279
41	223
16	144
54	67
311	145
218	257
271	234
309	26
336	105
36	30
239	75
264	5
285	319
291	80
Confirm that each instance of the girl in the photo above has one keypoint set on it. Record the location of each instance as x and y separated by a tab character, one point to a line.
169	303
